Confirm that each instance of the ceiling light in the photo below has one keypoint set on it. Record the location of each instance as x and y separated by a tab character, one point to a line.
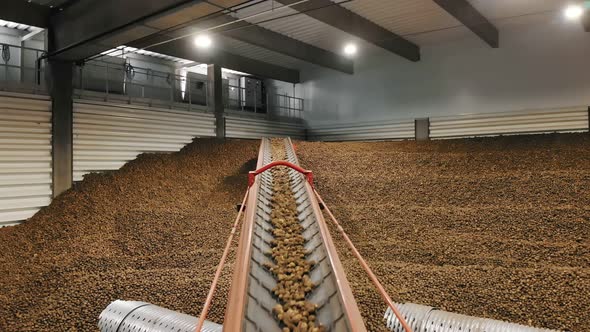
573	12
203	41
350	49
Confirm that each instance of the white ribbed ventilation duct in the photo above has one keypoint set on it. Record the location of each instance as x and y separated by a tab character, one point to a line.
428	319
134	316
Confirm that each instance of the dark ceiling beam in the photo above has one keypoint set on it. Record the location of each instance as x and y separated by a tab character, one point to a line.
261	37
339	17
465	13
88	27
277	42
24	12
185	49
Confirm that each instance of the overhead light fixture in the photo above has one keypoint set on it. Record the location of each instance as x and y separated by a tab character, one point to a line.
350	49
573	12
203	41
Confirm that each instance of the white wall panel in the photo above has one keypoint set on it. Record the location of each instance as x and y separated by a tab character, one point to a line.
517	122
539	65
25	156
403	129
247	127
106	136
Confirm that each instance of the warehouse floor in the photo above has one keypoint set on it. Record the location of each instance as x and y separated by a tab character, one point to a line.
495	227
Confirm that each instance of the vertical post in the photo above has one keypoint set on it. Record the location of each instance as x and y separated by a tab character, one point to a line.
62	124
240	94
215	97
107	81
241	97
172	89
81	78
6	65
302	104
37	78
267	105
188	89
286	105
206	86
422	129
22	62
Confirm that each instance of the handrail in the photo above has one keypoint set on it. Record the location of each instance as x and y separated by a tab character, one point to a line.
252	174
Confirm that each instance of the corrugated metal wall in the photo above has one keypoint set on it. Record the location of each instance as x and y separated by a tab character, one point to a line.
247	127
403	129
516	122
107	136
25	156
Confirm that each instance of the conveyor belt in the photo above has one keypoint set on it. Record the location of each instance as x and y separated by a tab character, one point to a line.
251	299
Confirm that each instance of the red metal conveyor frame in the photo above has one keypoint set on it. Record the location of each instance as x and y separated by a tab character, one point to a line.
237	300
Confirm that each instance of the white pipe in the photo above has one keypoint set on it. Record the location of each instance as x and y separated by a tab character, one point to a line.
428	319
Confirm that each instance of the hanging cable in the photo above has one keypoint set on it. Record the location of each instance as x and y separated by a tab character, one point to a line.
5	53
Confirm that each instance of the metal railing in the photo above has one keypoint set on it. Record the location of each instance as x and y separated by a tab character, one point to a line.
118	81
125	83
286	106
239	99
20	70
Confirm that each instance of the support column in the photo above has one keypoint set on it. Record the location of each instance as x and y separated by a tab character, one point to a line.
422	129
215	91
22	61
61	89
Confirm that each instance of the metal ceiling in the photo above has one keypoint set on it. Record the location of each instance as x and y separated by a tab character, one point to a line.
417	17
50	3
296	25
412	19
122	50
499	9
17	26
404	17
